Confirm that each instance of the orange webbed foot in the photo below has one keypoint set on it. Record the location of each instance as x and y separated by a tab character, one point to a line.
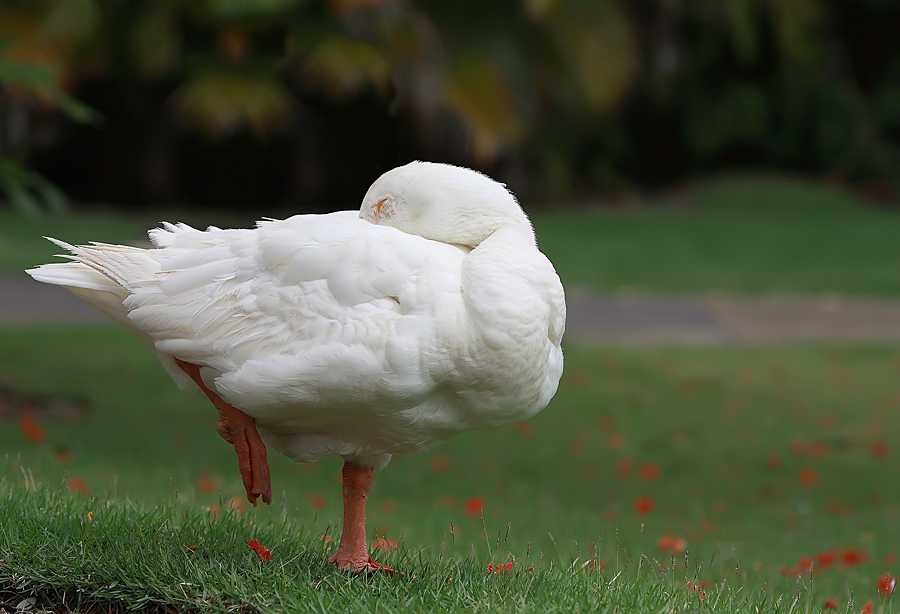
239	429
368	565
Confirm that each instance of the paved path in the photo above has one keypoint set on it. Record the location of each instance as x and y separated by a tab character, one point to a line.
611	318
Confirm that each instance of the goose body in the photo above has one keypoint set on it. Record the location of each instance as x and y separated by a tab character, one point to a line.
364	334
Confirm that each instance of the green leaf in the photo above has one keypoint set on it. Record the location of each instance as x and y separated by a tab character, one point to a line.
219	101
21	199
601	51
243	9
476	91
156	40
341	67
53	198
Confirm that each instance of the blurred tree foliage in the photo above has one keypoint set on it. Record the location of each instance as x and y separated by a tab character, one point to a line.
301	101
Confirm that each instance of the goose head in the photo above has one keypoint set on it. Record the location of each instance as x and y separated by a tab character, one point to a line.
444	203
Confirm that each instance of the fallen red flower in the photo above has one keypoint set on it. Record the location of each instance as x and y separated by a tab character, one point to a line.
650	471
826	559
78	485
879	450
886	585
206	484
808	477
474	506
804	565
440	463
852	557
699	590
830	604
670	543
384	544
643	505
316	500
507	567
261	551
33	432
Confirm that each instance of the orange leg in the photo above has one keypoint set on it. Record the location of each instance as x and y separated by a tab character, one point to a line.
239	429
352	553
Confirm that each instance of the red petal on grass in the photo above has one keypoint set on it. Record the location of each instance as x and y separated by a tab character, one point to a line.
643	505
262	552
523	428
878	450
384	544
670	543
205	484
507	567
830	604
63	455
33	432
886	585
239	503
826	559
808	477
697	589
650	471
606	424
78	485
851	557
818	449
799	447
316	500
616	441
440	463
804	565
474	506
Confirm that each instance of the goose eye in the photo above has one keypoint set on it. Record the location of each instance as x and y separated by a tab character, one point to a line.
378	207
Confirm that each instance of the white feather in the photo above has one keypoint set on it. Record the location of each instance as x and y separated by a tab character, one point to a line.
350	336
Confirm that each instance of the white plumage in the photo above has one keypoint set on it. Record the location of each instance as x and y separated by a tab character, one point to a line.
429	312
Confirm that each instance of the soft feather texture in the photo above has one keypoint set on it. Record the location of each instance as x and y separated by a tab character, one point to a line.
359	334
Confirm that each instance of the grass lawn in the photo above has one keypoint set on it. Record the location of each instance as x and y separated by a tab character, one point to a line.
741	235
746	234
732	469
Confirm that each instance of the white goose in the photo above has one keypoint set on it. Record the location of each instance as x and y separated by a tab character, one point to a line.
429	312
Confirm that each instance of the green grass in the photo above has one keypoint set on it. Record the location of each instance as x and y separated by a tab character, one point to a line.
765	456
746	235
742	235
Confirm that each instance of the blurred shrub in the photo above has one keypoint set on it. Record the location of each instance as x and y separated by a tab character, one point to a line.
563	96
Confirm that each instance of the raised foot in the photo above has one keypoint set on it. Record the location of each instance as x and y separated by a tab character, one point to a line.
239	429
